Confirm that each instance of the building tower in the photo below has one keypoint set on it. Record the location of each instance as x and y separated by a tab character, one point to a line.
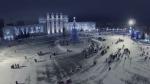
61	23
48	23
52	24
65	21
57	24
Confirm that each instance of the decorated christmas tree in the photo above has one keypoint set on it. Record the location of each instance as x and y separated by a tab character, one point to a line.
74	33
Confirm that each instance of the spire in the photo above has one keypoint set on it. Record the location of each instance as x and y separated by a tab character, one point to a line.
56	16
52	15
47	15
61	16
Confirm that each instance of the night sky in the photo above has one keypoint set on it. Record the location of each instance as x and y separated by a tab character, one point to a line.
84	10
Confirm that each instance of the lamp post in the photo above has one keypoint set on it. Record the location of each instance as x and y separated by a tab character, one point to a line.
131	23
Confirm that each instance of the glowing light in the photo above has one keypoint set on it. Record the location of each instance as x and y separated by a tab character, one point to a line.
131	22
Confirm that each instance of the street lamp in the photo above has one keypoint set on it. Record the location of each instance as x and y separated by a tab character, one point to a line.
131	23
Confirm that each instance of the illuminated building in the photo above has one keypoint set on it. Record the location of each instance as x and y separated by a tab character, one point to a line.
50	25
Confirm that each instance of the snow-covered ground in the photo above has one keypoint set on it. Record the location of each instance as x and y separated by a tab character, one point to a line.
134	70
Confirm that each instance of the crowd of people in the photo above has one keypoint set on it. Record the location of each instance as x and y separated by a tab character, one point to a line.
68	81
15	66
93	48
145	53
118	55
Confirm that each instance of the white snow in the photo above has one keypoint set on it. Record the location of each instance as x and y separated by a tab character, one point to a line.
134	71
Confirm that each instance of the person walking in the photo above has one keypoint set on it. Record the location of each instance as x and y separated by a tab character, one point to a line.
16	82
12	66
130	60
50	56
94	62
35	60
25	57
109	68
18	66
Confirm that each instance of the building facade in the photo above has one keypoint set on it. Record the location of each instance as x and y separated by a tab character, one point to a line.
84	26
54	23
49	25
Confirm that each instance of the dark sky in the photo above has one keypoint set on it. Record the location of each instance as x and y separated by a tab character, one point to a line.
84	10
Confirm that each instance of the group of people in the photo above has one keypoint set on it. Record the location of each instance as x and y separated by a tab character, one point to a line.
126	52
93	48
68	81
117	56
15	66
145	54
119	40
77	68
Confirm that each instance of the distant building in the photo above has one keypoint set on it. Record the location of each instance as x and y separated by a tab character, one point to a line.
85	26
49	25
12	32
